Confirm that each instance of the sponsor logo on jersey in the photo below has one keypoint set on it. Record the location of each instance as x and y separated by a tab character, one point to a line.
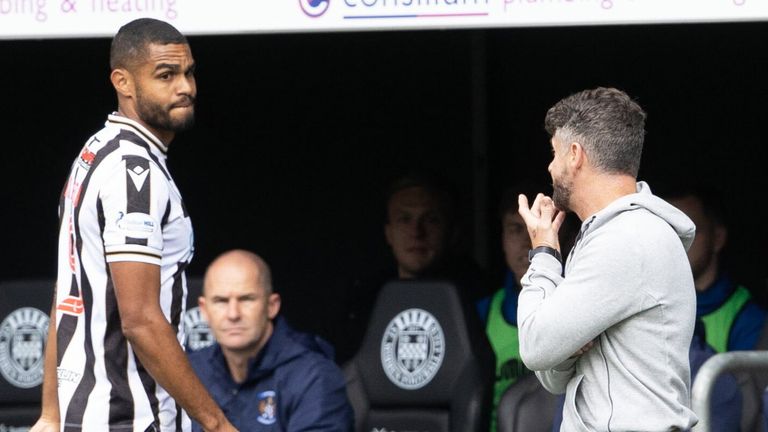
138	176
196	330
71	305
267	407
86	158
136	225
412	349
23	334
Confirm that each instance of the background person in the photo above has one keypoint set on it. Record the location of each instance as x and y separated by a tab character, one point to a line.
264	374
421	230
733	320
498	311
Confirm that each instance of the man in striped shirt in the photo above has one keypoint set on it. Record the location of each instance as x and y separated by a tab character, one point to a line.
125	239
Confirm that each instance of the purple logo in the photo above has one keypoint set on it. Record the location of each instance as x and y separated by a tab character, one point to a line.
314	8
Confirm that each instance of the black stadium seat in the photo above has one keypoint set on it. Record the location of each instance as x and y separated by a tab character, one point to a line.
24	309
526	406
424	364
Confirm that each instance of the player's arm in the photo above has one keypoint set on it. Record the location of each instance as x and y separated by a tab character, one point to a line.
137	288
49	416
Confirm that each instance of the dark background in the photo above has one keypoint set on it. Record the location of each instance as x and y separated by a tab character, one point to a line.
297	135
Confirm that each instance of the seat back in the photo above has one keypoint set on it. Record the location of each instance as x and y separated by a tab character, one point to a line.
24	308
198	333
424	364
526	407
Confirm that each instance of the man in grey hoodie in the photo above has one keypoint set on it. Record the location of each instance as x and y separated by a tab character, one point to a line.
613	330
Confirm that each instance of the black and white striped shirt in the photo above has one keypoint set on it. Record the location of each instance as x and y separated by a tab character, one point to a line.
119	204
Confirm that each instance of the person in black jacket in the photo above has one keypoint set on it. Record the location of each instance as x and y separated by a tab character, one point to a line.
264	374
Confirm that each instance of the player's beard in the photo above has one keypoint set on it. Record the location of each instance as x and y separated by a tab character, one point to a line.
159	116
561	194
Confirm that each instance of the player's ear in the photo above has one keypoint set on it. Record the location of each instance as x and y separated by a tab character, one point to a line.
122	81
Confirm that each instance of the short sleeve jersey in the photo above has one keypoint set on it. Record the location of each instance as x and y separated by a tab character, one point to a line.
119	204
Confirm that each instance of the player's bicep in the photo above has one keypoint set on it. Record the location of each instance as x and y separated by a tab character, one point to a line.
137	288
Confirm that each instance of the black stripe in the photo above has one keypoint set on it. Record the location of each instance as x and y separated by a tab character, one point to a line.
178	295
167	213
134	253
67	326
120	397
132	137
137	200
79	400
149	388
179	418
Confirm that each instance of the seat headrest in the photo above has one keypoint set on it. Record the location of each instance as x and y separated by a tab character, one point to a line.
24	308
418	345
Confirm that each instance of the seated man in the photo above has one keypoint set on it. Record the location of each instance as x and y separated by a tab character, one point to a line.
264	374
421	231
733	319
499	311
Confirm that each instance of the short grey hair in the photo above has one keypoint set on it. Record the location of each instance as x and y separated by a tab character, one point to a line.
606	122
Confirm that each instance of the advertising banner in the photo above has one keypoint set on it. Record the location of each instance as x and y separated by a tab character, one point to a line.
28	19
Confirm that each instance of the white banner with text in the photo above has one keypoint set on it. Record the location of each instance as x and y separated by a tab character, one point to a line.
28	19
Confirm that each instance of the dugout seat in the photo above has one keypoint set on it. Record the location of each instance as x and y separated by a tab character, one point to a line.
198	333
424	364
24	308
526	406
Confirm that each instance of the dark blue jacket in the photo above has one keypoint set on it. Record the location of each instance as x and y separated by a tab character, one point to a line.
765	410
292	385
748	324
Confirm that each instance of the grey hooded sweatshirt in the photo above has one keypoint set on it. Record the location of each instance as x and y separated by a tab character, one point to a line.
628	286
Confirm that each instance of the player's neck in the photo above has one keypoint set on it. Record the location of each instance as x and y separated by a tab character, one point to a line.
165	136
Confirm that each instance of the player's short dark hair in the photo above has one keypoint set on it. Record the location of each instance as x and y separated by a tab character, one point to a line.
132	40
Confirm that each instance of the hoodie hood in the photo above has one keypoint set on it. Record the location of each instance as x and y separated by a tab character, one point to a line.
277	352
645	199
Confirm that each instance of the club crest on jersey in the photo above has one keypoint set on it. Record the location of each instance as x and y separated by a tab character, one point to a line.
412	349
196	330
267	407
23	334
86	158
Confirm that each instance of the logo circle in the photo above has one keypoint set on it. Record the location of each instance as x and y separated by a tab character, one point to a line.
23	334
314	8
197	332
412	349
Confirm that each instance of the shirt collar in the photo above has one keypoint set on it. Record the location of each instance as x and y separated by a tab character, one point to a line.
155	144
715	295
